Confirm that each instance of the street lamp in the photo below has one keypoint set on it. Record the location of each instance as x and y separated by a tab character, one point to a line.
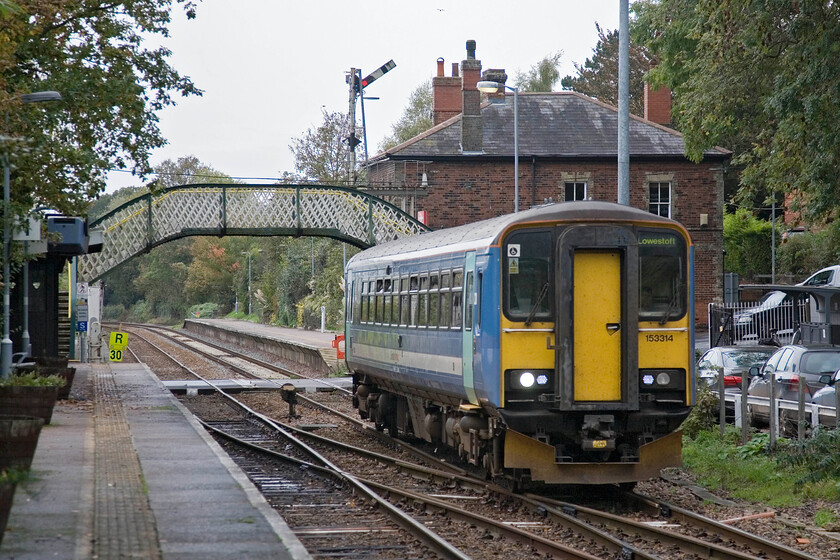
6	344
495	87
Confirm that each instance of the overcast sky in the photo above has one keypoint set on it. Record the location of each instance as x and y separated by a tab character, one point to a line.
269	68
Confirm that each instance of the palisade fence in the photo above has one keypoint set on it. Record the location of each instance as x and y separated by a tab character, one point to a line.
795	419
749	323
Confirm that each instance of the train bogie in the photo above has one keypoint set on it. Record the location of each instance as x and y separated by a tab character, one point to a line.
554	343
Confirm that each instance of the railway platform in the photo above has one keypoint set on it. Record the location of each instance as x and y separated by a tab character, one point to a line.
124	471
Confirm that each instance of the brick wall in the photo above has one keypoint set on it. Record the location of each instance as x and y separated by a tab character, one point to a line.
464	192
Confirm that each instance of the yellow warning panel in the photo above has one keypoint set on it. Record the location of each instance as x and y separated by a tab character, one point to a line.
597	325
117	342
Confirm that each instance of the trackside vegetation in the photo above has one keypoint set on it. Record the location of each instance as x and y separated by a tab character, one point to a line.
795	472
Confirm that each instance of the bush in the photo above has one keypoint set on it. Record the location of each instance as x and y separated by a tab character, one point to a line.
704	415
32	379
207	310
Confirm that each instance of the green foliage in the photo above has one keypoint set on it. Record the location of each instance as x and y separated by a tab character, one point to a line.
704	415
13	476
598	76
805	253
206	309
416	117
759	78
825	518
321	153
114	312
542	76
716	462
747	241
818	457
32	379
113	87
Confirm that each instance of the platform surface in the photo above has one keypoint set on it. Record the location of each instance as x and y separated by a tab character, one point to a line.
125	471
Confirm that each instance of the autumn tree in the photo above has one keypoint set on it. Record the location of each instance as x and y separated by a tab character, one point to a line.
542	76
415	119
760	78
598	76
113	87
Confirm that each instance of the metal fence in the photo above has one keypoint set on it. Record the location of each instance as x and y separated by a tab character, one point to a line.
787	418
755	322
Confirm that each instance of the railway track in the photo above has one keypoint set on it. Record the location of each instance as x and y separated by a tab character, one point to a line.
474	518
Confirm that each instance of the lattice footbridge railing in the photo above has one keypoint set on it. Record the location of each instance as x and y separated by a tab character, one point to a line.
147	221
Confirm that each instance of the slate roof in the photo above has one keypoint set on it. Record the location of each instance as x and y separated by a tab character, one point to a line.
561	124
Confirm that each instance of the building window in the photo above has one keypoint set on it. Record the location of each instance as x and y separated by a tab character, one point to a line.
574	190
660	199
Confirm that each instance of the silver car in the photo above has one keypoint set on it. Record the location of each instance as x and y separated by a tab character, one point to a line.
788	364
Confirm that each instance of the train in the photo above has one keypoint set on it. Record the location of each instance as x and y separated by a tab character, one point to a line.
552	345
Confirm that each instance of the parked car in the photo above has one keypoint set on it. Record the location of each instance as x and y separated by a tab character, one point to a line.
826	396
828	276
773	312
788	364
733	361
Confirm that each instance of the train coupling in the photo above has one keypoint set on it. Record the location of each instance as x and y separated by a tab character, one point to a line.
598	432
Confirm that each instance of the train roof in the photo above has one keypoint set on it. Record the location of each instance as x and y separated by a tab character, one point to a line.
487	232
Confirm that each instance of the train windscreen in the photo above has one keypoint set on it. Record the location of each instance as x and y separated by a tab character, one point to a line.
662	276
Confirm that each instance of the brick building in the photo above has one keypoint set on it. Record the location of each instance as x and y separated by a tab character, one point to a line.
461	170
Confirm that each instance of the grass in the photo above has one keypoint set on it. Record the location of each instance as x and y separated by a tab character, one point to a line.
792	474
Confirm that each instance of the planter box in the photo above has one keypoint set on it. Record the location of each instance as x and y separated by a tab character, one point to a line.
7	495
28	401
18	440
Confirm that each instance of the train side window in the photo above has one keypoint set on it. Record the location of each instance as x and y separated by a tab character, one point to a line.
380	301
422	310
434	300
363	302
413	286
468	314
386	309
404	302
445	301
395	302
457	299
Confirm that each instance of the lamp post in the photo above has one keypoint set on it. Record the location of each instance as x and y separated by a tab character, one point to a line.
6	344
495	87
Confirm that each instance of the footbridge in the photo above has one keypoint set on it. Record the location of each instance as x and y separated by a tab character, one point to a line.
149	220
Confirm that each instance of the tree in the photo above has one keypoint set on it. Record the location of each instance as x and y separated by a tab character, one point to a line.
187	171
321	153
542	76
598	76
112	87
416	117
760	78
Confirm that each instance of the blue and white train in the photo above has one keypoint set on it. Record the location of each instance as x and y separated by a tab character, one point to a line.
554	344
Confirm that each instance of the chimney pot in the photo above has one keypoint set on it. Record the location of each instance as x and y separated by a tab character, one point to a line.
455	70
471	49
440	66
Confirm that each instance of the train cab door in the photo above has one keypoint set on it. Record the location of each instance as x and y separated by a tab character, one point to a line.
597	318
469	327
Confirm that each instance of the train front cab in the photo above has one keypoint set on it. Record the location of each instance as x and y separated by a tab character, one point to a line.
597	375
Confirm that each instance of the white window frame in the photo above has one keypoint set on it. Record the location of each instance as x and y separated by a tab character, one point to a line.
574	184
655	207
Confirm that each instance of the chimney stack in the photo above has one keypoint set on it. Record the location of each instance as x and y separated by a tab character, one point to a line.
446	94
472	131
658	105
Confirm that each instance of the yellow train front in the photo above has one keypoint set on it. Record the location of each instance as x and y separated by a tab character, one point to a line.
553	345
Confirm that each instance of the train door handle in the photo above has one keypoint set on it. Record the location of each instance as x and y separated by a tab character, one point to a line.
613	328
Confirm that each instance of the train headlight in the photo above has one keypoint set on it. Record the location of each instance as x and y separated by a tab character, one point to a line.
530	382
662	378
